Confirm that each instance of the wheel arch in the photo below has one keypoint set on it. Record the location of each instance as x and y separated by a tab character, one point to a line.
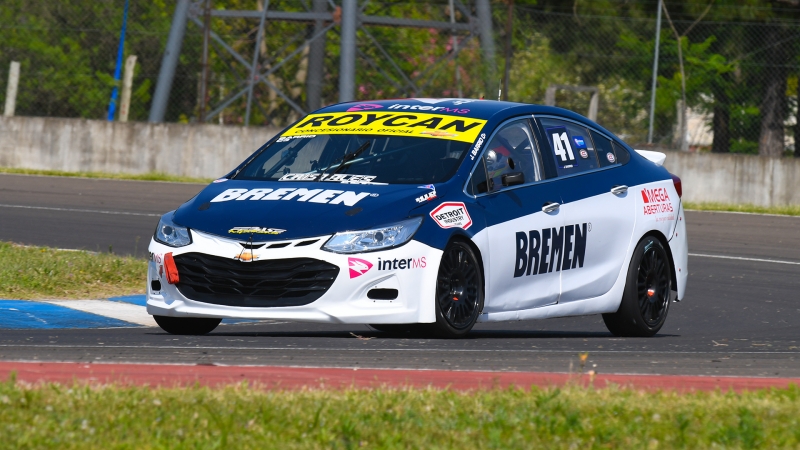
664	243
466	240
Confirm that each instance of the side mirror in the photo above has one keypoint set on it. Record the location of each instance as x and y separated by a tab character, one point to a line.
513	179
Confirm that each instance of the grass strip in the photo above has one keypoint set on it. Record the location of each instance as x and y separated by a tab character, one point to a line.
150	176
41	272
792	210
56	416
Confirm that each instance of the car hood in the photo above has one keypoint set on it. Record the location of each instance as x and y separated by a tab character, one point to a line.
296	209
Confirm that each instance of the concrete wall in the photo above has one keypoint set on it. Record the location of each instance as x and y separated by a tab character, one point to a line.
193	150
209	151
737	179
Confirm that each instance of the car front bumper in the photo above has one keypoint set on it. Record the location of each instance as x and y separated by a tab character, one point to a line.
410	269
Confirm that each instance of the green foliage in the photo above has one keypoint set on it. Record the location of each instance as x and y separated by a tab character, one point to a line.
68	51
41	272
66	417
790	210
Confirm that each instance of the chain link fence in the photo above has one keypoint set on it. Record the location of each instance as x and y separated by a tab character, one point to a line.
739	63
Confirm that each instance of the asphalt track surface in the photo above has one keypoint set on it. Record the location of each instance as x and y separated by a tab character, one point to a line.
739	318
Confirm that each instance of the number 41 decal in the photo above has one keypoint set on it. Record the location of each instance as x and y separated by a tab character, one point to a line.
561	145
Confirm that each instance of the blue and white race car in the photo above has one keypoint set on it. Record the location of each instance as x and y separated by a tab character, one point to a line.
443	212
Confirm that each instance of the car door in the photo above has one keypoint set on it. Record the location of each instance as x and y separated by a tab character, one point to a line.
507	183
599	213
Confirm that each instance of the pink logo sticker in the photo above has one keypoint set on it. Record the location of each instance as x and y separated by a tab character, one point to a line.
364	107
358	267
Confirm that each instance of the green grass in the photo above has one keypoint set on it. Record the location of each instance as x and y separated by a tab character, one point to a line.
151	176
56	416
793	210
41	272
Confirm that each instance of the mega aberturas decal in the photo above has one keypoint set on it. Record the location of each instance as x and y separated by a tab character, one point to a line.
656	201
392	123
330	196
542	251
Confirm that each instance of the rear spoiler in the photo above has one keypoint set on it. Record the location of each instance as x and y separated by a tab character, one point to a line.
656	157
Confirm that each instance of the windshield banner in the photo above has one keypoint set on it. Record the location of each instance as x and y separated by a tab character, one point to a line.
390	124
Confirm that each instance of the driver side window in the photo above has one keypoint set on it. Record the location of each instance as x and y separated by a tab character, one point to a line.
509	158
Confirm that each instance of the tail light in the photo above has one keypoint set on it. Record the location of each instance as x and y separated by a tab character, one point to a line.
677	182
171	269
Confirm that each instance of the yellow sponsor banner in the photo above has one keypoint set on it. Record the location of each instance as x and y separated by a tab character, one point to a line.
390	123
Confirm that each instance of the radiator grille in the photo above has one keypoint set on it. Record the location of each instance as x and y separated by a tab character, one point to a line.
268	283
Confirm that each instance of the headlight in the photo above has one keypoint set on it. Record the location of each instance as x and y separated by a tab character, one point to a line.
170	234
377	239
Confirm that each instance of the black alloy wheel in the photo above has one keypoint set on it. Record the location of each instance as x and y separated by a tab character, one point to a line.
652	286
459	291
191	326
645	300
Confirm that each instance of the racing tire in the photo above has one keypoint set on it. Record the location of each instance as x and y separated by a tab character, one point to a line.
459	291
645	300
191	326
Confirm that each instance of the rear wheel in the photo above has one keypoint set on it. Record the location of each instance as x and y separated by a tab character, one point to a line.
187	325
645	301
459	291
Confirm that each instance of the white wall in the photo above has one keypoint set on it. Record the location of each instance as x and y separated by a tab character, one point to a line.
737	179
193	150
208	151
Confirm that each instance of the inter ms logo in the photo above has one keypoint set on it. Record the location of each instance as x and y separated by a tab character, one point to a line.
542	251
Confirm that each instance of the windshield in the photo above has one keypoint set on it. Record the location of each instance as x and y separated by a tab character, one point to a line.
357	159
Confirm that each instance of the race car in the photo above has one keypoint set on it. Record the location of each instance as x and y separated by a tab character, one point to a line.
430	214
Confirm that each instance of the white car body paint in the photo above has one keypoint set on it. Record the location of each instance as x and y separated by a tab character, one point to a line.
345	302
618	222
507	292
598	286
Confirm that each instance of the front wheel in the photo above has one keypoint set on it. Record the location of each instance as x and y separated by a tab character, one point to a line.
459	291
645	301
192	326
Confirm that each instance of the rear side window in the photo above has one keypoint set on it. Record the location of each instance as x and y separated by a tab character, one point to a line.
622	154
571	145
605	150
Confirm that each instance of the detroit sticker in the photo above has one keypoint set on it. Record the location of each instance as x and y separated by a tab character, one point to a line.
451	215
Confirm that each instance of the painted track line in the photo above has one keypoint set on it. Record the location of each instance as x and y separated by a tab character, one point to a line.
410	350
741	212
293	378
116	310
741	258
97	211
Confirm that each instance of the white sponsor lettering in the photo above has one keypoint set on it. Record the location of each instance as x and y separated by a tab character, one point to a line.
343	178
289	138
228	194
430	108
277	194
332	196
478	145
254	194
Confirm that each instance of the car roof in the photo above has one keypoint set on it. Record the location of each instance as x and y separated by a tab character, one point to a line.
465	107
